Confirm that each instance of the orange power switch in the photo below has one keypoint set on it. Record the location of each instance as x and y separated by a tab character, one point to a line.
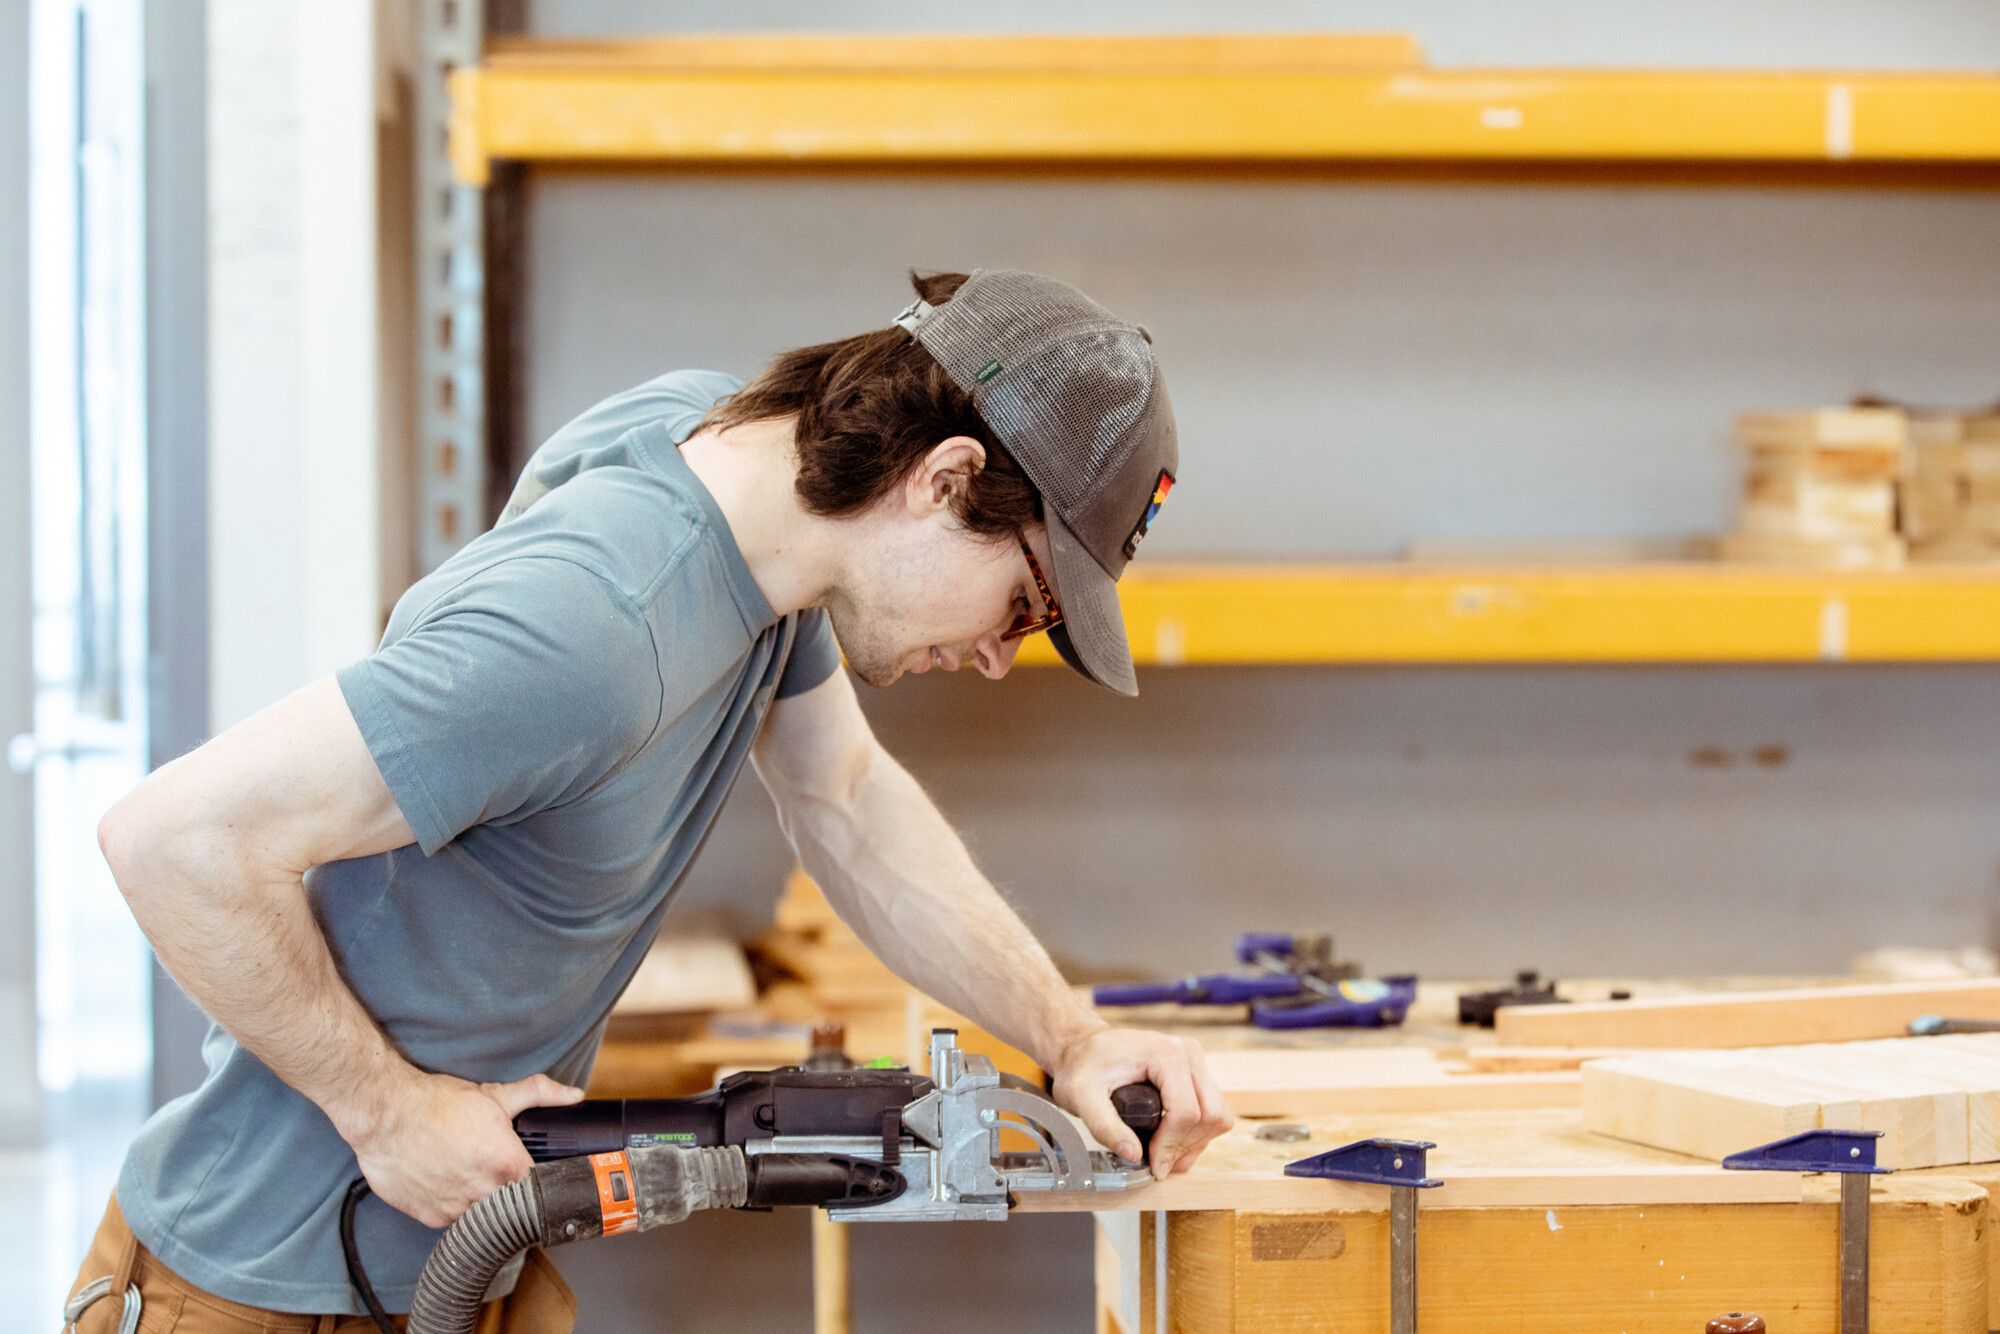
615	1198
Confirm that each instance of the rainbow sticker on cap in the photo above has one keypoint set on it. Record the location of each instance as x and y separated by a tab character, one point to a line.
1161	489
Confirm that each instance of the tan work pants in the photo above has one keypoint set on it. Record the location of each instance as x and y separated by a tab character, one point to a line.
541	1302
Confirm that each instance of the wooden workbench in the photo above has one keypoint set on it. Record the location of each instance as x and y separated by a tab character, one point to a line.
1540	1224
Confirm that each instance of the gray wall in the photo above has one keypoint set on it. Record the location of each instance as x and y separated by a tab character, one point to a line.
1866	34
19	1089
1356	366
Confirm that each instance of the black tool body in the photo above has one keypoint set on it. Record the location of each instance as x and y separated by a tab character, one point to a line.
751	1105
763	1104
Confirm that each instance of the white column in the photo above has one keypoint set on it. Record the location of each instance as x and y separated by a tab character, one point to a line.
19	1089
293	545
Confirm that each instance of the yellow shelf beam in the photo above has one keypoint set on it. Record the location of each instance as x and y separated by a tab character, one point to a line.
795	100
1635	614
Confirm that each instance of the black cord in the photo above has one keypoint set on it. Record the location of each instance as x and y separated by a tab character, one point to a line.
357	1276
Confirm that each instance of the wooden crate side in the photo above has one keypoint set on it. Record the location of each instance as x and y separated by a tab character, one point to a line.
1987	1178
1201	1273
1659	1269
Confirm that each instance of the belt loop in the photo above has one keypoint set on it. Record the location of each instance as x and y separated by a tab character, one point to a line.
324	1325
128	1262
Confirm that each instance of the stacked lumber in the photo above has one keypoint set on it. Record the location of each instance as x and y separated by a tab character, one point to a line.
1951	497
1820	489
1935	1100
826	972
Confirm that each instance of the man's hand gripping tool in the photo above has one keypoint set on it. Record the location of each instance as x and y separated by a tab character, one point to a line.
885	1144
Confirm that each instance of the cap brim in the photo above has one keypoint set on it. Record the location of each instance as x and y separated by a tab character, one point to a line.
1091	637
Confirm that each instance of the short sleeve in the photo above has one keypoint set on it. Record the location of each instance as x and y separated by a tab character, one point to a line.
514	692
815	654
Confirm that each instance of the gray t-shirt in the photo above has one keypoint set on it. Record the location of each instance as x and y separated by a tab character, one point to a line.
559	711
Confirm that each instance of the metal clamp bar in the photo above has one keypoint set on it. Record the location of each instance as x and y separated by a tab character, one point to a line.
1398	1164
1402	1260
1854	1253
1851	1154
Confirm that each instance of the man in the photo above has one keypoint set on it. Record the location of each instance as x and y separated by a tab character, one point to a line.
410	894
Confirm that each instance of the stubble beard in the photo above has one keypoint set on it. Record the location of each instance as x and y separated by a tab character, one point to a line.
869	657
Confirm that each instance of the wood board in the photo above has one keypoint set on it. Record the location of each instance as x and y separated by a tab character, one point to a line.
1541	1157
1387	1079
1747	1018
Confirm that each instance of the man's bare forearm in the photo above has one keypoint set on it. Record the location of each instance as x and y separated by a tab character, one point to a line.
242	941
902	878
211	853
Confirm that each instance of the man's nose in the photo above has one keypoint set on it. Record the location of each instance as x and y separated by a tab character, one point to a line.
995	655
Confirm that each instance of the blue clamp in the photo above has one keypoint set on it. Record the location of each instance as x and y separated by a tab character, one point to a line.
1814	1151
1380	1162
1252	943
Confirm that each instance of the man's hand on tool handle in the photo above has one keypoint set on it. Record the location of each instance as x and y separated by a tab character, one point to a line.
432	1145
1105	1058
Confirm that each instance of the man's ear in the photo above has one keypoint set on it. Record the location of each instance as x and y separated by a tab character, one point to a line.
946	471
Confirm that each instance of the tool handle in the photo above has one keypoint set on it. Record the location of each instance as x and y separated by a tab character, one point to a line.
1140	1108
1136	993
1228	990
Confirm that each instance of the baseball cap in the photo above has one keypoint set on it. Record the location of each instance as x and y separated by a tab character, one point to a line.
1076	396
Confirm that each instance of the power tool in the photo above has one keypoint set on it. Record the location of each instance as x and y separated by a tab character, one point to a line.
874	1143
1301	985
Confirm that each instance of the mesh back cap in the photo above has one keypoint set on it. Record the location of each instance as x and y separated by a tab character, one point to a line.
1075	395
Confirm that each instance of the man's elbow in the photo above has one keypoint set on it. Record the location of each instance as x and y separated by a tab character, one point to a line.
123	836
138	841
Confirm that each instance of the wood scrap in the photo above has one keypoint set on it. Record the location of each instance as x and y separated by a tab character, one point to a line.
1904	963
685	973
1747	1018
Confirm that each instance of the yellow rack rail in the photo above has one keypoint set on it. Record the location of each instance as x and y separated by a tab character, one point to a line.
1638	614
793	99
